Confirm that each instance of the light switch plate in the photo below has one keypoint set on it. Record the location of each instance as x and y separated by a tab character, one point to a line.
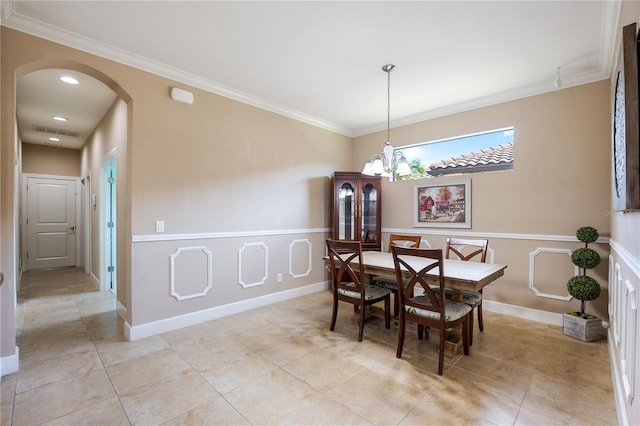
159	225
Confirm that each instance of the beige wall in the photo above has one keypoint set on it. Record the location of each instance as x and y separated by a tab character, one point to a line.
109	138
243	183
49	160
248	186
560	181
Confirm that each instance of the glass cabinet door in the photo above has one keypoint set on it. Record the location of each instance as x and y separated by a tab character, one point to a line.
355	212
369	204
346	212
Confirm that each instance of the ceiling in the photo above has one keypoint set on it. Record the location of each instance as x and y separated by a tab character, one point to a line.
320	62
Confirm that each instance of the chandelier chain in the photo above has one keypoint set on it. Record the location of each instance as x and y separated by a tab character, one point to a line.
389	103
389	161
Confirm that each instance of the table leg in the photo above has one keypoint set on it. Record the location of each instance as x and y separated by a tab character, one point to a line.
453	339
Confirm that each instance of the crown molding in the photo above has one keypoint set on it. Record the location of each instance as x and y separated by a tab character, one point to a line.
610	21
14	20
611	15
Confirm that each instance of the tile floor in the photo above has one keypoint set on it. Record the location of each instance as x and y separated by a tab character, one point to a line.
281	365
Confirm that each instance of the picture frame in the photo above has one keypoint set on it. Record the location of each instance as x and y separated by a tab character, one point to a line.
626	129
442	203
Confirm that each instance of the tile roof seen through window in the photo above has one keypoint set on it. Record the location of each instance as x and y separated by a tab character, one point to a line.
494	158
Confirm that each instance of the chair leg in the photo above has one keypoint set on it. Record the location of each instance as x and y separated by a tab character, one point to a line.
441	352
466	333
400	337
420	331
361	330
387	312
334	315
480	323
471	327
396	304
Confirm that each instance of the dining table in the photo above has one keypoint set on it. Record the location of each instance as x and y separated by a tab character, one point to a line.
458	275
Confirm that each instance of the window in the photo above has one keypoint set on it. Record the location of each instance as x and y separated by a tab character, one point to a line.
480	152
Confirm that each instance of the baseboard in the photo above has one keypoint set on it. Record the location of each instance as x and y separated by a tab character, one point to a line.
551	318
95	281
122	311
10	364
170	324
186	320
522	312
618	387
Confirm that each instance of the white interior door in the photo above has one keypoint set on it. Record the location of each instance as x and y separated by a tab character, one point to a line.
51	222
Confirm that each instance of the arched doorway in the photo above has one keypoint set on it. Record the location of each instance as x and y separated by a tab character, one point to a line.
89	195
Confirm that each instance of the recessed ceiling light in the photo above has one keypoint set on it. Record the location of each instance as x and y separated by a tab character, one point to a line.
59	118
54	139
69	79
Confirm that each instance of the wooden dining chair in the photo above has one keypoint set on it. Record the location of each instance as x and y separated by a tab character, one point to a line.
390	283
347	283
465	249
429	309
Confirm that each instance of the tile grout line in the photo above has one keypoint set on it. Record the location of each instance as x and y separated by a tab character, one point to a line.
104	367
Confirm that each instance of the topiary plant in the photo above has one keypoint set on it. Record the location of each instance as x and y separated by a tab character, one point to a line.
582	287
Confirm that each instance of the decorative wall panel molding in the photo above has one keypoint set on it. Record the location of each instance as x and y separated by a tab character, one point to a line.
629	348
491	235
616	288
253	249
303	245
532	272
218	235
424	243
491	255
207	262
449	233
610	278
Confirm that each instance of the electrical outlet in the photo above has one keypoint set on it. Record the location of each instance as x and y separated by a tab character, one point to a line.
159	225
279	277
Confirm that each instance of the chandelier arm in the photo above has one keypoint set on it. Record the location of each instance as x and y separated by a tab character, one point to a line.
385	162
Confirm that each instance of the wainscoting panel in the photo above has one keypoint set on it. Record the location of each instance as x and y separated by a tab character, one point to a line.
300	258
617	303
612	295
628	351
624	334
191	272
253	264
543	263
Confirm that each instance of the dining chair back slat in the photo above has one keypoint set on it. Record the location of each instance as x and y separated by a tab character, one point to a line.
347	276
431	309
390	283
457	246
404	241
467	250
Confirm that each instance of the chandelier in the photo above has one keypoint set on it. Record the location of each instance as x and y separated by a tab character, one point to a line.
388	161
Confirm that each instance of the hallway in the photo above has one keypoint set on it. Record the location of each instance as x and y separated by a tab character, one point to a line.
281	365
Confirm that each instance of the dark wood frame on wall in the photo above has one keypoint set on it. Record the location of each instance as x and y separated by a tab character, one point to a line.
626	125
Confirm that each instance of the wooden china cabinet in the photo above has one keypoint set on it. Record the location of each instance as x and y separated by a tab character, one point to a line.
356	200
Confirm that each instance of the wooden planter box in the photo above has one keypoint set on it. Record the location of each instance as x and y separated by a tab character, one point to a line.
586	330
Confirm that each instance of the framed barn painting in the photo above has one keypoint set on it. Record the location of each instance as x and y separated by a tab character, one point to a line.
442	203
